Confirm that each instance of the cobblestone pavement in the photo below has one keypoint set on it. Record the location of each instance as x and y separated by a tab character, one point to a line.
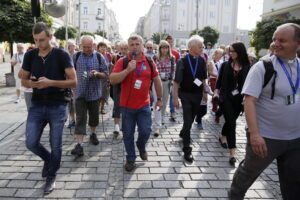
100	174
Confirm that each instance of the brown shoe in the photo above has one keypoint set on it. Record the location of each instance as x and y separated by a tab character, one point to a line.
129	166
144	155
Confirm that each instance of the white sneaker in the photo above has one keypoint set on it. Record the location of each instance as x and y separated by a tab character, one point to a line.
17	100
117	130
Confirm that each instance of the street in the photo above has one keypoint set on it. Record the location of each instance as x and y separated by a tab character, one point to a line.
99	174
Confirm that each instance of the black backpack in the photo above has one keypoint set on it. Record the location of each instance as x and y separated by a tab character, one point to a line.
270	72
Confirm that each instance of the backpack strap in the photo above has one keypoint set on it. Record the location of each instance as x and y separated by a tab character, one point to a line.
149	60
99	58
76	58
270	71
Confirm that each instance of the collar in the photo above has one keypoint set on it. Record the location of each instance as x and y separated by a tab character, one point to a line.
89	55
287	61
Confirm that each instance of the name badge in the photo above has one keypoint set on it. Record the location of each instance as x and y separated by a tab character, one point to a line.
235	92
197	82
138	84
291	99
162	75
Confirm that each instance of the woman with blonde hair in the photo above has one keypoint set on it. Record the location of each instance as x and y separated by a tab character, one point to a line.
165	63
213	71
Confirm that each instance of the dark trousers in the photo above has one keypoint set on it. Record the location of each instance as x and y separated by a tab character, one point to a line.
201	112
190	105
288	161
231	108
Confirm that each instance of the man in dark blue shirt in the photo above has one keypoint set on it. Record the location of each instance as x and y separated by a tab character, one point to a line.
49	71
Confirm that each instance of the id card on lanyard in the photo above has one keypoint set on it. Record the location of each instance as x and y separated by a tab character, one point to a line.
88	62
194	70
138	83
293	98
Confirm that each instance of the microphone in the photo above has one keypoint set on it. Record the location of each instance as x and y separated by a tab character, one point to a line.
133	55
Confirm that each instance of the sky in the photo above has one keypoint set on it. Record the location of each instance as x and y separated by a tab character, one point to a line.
128	13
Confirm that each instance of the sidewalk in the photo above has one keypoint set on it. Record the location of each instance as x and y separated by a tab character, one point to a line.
100	174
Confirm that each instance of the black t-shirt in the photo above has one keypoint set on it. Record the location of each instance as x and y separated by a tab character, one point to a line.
51	66
184	75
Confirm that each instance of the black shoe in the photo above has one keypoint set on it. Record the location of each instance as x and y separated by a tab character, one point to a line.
232	160
129	166
50	185
144	155
77	151
45	170
188	154
224	145
93	139
188	157
116	134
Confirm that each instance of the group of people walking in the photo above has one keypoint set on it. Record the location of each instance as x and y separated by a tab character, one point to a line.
144	83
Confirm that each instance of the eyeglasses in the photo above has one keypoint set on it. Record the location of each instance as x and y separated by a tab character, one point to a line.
149	47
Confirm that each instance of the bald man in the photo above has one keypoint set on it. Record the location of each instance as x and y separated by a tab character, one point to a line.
273	123
90	68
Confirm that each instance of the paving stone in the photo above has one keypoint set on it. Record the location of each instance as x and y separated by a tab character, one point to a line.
79	185
149	177
69	177
21	184
213	192
62	194
131	193
195	184
161	170
171	177
29	193
183	193
137	184
95	177
7	192
89	193
158	193
166	184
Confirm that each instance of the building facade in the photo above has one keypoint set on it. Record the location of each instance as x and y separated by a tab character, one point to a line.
93	15
180	17
281	9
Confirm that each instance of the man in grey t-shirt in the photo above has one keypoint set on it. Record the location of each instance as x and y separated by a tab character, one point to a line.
273	124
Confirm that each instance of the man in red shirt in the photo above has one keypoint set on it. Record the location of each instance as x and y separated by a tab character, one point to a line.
135	79
176	54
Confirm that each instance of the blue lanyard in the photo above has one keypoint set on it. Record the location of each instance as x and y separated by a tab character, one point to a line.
193	69
138	73
88	62
294	87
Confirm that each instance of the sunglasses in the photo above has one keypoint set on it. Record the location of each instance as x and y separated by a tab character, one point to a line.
149	48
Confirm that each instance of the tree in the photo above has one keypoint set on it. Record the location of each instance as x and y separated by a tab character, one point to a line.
261	36
101	33
157	37
209	34
60	33
87	33
16	22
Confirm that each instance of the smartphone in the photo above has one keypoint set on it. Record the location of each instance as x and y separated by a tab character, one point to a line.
33	79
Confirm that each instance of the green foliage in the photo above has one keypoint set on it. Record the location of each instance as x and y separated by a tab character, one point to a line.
16	21
209	34
261	36
157	37
60	33
87	33
101	33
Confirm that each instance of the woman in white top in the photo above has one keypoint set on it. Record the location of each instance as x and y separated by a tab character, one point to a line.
213	71
16	62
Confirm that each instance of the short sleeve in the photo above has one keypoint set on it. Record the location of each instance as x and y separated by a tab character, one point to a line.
254	81
26	61
67	60
118	66
13	58
179	71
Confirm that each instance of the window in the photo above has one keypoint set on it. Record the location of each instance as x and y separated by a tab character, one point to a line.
183	13
99	11
227	2
211	14
85	25
85	10
212	2
99	26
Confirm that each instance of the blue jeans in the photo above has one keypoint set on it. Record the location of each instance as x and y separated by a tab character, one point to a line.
130	118
172	107
38	117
